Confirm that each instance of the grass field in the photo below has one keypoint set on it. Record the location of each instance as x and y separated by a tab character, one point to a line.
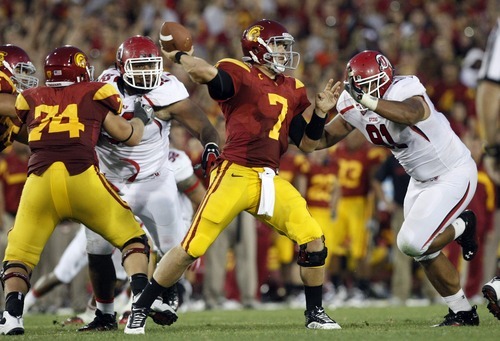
401	323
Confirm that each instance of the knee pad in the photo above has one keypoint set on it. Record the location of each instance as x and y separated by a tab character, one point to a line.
5	276
408	247
145	250
311	259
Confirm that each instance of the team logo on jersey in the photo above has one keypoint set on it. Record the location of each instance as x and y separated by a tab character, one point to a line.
383	62
80	60
254	33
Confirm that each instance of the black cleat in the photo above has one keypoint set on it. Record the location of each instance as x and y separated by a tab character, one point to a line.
171	297
491	291
461	318
468	239
102	322
318	319
162	313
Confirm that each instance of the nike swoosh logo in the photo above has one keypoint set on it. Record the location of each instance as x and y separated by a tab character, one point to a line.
236	175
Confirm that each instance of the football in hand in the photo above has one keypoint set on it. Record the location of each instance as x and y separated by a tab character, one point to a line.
174	36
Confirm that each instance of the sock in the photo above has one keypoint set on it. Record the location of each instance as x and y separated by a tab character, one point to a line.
149	294
106	307
314	296
14	303
459	226
138	282
458	302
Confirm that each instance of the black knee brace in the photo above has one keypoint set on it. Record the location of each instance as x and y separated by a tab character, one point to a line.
145	250
311	259
5	276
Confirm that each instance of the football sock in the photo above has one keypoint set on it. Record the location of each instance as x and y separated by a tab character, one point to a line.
314	296
458	302
459	226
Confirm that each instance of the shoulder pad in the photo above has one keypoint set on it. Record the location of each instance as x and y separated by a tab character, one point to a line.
233	61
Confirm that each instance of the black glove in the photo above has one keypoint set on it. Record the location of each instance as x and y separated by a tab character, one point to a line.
210	154
143	112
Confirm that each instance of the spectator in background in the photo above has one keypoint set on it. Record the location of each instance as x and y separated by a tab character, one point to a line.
483	204
488	108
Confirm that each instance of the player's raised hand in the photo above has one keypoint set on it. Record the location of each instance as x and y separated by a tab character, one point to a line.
327	99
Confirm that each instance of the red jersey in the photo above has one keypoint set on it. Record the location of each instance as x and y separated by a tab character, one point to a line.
321	181
259	114
355	166
64	123
13	176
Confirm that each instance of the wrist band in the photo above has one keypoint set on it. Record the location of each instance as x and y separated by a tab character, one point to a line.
178	56
314	129
369	101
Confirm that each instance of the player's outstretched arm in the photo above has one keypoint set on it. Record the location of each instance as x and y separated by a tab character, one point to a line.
127	132
199	70
324	102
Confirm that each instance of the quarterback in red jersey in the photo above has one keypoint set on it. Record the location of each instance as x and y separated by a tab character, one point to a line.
64	120
260	105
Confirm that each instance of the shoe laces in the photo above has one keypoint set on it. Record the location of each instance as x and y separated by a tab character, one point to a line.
137	317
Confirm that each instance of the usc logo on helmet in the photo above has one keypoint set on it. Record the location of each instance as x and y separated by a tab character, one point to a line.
254	33
80	60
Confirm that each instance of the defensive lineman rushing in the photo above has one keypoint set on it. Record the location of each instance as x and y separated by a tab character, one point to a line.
395	111
261	107
141	174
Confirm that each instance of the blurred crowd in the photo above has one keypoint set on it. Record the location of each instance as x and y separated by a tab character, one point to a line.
439	41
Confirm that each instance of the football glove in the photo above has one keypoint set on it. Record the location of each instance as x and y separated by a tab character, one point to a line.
144	112
210	154
359	95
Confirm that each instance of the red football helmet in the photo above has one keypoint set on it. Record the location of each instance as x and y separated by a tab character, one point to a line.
16	64
267	42
372	72
67	65
140	63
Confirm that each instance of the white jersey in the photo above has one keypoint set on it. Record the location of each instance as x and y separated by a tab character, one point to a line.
183	169
117	160
425	150
490	66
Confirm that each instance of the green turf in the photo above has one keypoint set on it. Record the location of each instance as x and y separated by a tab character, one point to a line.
402	324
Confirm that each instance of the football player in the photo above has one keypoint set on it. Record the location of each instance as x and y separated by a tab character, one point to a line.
16	75
64	119
142	174
396	112
261	106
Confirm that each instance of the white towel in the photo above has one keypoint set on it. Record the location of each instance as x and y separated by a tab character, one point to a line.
267	195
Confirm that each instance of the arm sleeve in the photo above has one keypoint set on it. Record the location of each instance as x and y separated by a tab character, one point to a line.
221	87
297	128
